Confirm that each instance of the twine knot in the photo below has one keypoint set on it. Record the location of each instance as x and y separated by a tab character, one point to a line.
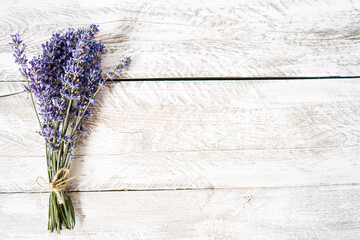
57	184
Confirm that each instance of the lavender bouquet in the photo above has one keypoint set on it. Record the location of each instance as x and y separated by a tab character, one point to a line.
63	83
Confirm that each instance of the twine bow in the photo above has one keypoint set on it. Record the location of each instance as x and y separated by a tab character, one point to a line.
57	185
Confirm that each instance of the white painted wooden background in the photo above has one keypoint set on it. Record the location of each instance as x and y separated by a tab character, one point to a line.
197	159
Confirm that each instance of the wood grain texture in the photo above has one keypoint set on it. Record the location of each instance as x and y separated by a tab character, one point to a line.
198	134
291	213
167	39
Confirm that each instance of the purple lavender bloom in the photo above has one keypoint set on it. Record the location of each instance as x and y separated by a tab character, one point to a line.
65	79
18	49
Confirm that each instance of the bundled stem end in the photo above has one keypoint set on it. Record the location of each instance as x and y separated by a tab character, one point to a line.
60	214
61	210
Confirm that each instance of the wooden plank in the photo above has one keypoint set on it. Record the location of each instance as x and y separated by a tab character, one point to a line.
196	134
290	213
167	39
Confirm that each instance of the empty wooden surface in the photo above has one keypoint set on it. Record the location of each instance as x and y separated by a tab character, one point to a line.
209	38
225	159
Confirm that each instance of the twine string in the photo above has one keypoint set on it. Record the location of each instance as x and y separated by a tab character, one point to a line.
57	184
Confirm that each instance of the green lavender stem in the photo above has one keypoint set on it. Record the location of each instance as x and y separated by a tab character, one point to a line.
36	112
65	158
60	214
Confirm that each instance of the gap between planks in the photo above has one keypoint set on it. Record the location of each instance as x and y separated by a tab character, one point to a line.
214	79
189	189
202	79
